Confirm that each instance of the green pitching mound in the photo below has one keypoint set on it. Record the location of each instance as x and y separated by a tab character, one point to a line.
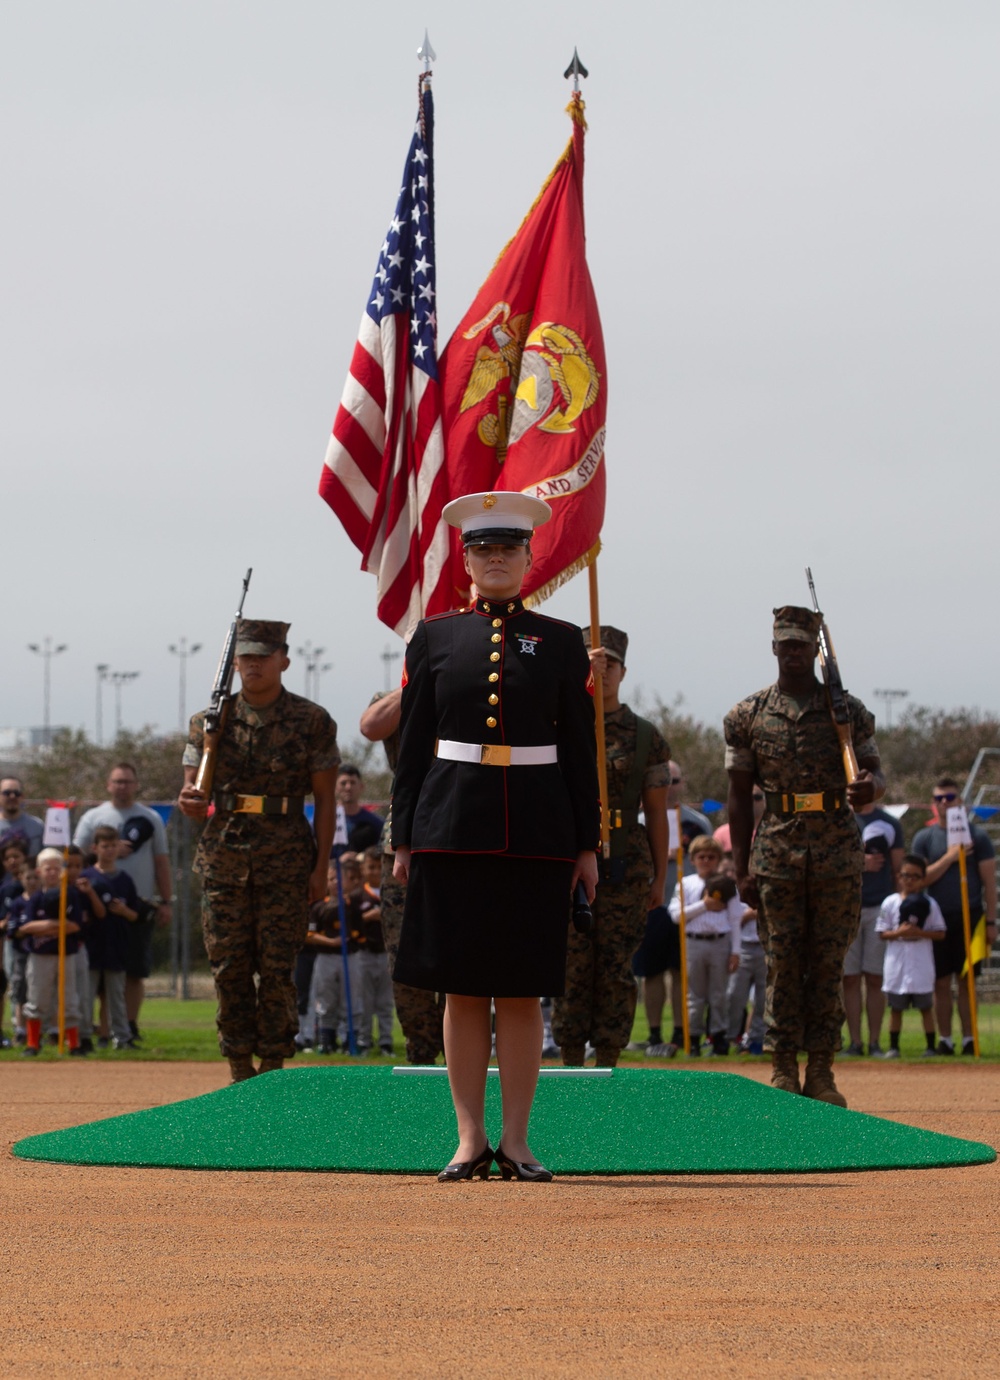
400	1121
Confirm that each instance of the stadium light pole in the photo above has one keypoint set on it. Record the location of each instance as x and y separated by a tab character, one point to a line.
183	651
887	697
46	651
317	672
118	679
312	655
102	675
388	657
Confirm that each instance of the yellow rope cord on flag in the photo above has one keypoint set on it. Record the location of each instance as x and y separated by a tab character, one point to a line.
575	109
545	591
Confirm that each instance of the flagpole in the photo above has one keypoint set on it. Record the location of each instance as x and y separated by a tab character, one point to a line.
352	1042
63	883
685	1017
970	967
602	761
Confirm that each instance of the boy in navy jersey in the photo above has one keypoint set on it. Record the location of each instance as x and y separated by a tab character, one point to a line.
39	931
108	939
13	907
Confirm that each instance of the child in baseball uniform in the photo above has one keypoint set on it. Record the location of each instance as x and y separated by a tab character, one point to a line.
39	932
373	961
108	939
909	922
328	973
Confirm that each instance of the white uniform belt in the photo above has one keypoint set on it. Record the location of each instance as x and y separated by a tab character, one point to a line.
496	754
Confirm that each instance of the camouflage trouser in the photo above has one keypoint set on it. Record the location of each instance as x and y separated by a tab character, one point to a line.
252	927
806	925
421	1014
599	1004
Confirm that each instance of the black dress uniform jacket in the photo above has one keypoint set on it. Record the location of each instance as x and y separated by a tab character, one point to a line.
497	674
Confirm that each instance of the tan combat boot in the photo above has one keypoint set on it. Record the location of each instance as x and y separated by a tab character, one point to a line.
819	1080
572	1056
785	1071
271	1065
606	1057
240	1068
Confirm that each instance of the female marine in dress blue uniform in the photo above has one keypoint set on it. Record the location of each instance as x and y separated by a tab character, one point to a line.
495	818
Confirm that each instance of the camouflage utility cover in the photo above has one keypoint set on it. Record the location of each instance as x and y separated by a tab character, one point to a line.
260	636
613	640
796	624
794	749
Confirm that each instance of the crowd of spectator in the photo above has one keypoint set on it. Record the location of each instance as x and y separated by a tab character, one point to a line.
909	950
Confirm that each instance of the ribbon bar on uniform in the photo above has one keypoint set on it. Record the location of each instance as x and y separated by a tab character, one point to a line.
496	754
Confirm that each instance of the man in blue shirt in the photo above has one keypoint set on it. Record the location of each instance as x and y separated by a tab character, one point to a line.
364	827
944	884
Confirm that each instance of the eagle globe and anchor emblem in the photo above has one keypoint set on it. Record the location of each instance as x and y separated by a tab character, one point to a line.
553	378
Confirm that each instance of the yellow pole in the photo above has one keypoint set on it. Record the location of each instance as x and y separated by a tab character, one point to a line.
602	761
969	965
62	953
685	1019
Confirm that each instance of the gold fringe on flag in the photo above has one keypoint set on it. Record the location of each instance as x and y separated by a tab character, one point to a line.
549	588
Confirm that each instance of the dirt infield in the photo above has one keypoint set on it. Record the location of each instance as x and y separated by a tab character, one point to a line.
179	1273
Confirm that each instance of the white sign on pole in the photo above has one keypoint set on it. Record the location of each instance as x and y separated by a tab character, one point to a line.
674	820
57	830
958	827
340	833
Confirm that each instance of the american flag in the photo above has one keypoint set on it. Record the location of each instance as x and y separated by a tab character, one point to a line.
384	471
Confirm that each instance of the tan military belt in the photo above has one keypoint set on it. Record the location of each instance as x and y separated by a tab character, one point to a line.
496	754
259	804
792	803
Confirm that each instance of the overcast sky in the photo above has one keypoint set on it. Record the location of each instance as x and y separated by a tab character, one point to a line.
793	217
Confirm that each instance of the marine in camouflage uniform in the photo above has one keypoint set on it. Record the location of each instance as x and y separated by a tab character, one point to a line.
257	856
599	1002
421	1014
806	860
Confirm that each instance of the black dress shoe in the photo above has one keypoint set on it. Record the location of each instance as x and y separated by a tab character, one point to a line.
479	1168
528	1170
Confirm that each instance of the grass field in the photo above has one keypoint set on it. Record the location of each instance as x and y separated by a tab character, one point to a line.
174	1029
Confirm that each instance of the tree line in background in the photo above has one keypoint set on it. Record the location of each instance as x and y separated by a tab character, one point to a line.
924	744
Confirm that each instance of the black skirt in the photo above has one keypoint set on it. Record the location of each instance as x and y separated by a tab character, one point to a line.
483	925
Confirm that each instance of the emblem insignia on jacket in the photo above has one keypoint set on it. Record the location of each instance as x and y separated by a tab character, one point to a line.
528	644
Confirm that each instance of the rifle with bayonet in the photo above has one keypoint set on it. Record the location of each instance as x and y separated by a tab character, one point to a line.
836	698
218	710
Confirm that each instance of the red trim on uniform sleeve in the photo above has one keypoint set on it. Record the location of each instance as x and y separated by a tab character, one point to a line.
591	688
405	678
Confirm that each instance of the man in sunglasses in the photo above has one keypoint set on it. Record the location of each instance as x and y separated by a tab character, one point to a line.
13	819
803	874
944	884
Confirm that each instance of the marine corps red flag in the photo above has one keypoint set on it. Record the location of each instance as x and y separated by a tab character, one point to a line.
523	387
384	470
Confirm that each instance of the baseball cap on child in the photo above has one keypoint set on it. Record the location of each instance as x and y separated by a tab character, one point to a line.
914	910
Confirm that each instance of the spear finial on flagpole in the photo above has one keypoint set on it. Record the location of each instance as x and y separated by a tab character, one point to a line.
427	55
576	70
